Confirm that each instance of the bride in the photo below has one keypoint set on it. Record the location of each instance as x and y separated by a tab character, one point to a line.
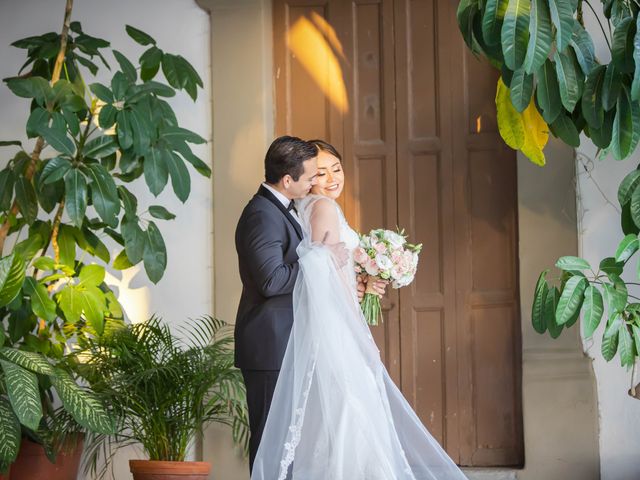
336	414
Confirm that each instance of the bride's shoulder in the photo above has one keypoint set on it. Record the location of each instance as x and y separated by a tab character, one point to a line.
315	202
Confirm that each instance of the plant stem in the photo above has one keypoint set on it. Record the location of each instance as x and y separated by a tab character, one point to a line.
54	232
604	34
35	155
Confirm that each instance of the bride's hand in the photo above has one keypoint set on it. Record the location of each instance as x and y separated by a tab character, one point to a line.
361	287
379	286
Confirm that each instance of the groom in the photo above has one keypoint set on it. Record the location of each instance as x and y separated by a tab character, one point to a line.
267	236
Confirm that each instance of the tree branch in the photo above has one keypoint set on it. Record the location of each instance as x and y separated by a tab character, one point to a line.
35	155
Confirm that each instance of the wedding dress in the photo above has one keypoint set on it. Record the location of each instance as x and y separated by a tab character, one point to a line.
336	414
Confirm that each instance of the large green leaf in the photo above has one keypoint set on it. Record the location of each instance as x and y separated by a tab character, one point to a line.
139	36
562	18
540	36
601	137
12	274
570	79
27	199
67	244
592	309
198	164
622	46
41	303
611	87
134	239
91	275
616	296
609	266
521	89
58	140
627	247
564	128
70	301
626	126
571	299
29	360
158	211
54	170
10	433
635	86
38	119
583	47
7	179
180	180
156	171
23	392
141	132
102	92
636	336
126	66
75	195
93	307
104	194
100	147
548	92
592	108
610	339
515	33
31	87
550	308
125	132
155	253
628	186
87	410
572	263
627	352
539	301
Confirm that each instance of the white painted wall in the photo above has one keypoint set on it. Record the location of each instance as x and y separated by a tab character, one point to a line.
179	26
599	234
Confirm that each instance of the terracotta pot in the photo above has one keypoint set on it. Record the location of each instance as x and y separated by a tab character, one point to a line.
157	470
32	463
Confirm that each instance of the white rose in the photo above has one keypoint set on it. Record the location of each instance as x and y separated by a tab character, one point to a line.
394	239
383	262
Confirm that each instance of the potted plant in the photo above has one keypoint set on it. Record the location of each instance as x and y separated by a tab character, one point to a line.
65	197
164	391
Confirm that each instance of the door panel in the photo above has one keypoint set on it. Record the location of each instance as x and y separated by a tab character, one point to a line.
421	150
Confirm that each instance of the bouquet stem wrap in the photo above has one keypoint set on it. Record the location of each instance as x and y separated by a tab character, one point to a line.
371	307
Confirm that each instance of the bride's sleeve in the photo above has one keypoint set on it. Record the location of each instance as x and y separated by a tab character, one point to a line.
324	223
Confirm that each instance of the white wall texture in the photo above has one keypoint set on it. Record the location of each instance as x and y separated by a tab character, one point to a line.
599	233
179	26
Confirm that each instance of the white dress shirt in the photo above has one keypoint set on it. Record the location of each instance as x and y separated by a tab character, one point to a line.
282	199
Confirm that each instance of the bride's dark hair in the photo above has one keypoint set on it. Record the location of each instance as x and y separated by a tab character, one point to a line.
323	146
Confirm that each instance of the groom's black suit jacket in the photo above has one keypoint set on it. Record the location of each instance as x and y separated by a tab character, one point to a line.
267	236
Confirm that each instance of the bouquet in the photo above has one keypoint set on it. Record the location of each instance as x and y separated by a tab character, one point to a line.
386	255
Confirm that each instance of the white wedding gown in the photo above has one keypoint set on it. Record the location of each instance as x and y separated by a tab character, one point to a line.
336	414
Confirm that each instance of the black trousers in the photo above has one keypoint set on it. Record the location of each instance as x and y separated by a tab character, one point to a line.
260	386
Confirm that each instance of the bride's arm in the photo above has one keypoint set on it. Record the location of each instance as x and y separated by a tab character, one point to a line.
325	229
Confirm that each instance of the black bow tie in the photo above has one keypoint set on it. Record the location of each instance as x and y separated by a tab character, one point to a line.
292	206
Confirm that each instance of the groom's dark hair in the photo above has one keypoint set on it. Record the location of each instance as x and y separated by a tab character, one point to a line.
286	156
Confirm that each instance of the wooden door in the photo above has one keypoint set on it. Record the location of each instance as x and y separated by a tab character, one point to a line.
421	150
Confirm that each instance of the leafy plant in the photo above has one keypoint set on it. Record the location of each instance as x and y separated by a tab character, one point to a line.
551	80
60	202
164	390
24	376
